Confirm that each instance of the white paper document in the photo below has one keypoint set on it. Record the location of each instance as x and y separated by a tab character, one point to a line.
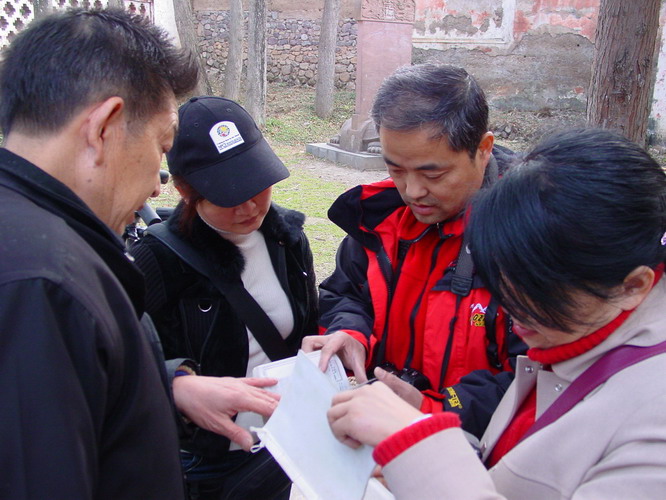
300	439
282	369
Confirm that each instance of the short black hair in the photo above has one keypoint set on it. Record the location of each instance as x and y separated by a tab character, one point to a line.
68	60
444	97
578	213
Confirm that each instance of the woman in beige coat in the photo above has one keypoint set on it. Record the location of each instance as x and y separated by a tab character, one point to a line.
572	242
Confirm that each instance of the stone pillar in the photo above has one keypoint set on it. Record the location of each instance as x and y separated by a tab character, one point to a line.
383	44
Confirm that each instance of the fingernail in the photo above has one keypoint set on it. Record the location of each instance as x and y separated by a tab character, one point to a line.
367	382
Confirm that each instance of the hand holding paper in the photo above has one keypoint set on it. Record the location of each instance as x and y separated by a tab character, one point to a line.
283	368
211	402
351	351
299	437
369	414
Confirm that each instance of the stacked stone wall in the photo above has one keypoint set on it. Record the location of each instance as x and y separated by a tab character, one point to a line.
292	48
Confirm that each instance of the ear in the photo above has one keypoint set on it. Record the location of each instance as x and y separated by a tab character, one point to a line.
635	288
103	124
485	148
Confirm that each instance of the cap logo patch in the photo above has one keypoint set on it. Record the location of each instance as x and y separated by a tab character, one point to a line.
225	136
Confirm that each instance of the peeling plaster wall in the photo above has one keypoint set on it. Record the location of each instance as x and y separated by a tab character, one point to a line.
527	54
556	16
441	23
542	70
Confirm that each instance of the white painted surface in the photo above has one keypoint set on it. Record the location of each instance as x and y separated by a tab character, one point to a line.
658	113
165	18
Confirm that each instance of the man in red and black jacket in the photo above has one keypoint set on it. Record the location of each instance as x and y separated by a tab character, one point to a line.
403	292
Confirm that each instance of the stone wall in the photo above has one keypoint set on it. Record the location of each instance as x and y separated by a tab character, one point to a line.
292	46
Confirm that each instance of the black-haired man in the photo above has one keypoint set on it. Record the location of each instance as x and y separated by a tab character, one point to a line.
87	109
403	294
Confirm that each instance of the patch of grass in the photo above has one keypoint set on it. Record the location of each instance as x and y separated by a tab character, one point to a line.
659	154
307	193
313	196
291	118
324	239
169	196
291	123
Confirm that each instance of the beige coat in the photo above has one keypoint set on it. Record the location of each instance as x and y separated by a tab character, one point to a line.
612	445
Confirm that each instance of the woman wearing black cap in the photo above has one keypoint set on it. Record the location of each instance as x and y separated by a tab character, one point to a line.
230	285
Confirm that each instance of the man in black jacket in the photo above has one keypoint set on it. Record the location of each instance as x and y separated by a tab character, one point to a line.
87	109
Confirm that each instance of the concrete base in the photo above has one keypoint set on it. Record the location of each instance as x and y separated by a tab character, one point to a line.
359	161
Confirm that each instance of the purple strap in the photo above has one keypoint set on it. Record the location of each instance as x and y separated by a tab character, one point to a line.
614	361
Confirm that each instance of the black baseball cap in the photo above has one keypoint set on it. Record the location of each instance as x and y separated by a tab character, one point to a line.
221	153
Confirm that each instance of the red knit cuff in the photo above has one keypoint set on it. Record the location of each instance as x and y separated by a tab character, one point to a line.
396	443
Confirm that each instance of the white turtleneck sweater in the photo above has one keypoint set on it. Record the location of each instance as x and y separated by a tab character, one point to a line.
260	280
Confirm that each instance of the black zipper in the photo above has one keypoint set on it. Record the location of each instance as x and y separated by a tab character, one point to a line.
417	305
391	278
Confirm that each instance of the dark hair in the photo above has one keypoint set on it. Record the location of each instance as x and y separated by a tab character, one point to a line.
577	214
68	60
444	97
190	198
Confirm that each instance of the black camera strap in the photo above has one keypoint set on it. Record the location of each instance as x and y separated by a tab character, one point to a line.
246	307
461	286
462	283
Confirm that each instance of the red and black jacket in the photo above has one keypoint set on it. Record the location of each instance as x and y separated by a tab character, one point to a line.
391	290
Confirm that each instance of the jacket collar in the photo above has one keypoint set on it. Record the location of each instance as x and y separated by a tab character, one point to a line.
52	195
280	224
360	210
646	326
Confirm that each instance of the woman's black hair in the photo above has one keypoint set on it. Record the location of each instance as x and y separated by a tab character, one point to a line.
189	201
577	214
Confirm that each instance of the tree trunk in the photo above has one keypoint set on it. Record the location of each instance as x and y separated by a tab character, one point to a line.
326	62
188	39
623	71
234	67
256	62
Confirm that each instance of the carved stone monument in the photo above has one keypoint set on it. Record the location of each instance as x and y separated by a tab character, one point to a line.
383	44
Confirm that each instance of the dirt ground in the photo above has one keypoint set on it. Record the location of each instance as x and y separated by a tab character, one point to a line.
348	176
525	128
